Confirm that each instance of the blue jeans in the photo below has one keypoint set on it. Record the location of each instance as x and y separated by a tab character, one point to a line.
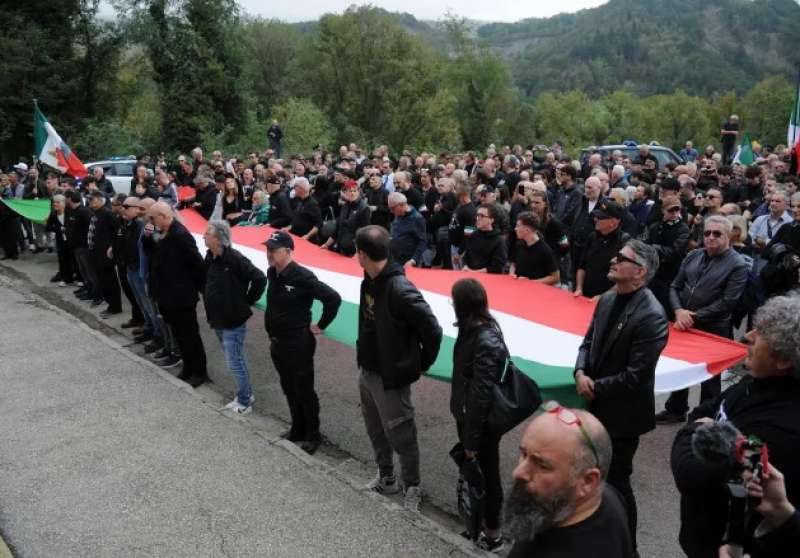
152	324
232	341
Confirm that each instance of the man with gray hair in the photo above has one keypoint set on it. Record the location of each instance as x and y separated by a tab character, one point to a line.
559	504
409	233
615	369
306	216
705	292
233	285
764	404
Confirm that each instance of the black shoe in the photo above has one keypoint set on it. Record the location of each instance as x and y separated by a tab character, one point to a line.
96	302
196	381
291	436
169	361
153	346
55	278
85	297
666	417
310	446
80	292
130	324
143	338
38	250
108	312
161	354
137	331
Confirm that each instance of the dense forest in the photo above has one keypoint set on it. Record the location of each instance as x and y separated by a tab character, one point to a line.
166	75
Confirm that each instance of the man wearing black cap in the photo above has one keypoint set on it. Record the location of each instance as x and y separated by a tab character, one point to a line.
102	230
669	237
591	277
291	291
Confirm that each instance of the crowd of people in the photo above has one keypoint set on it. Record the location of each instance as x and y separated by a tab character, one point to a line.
702	244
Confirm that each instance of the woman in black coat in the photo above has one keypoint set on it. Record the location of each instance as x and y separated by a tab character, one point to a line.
479	357
353	214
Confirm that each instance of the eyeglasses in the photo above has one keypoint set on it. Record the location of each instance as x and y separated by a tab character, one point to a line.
673	209
569	418
715	234
620	257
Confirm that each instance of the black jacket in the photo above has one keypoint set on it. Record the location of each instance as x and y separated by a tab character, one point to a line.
177	272
76	225
379	199
280	210
711	287
486	250
133	232
207	198
307	215
398	335
352	216
768	408
290	295
103	230
233	285
621	358
479	356
54	226
670	239
595	260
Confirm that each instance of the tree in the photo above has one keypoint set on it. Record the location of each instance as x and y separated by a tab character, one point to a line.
766	108
304	126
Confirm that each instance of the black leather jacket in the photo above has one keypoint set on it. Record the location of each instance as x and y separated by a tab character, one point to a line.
479	356
398	335
710	287
622	362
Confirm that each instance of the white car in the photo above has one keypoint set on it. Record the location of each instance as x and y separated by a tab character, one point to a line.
119	170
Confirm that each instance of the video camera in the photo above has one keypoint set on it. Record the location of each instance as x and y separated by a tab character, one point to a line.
722	445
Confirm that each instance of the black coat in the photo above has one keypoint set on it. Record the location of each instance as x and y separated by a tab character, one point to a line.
479	356
397	330
76	226
280	210
177	271
623	367
352	216
233	285
768	408
105	230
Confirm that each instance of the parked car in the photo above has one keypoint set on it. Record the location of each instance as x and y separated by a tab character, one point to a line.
119	170
631	150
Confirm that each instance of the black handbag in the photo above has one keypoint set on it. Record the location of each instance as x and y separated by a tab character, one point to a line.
515	397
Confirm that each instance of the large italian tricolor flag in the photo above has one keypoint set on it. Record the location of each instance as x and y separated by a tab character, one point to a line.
543	325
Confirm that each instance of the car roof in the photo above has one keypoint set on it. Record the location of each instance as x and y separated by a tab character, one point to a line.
112	161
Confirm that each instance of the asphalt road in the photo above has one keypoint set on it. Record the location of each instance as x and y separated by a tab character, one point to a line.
347	441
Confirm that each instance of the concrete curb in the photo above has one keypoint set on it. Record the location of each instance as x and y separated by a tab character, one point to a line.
265	426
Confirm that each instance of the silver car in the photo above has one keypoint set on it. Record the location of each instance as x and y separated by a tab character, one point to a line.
118	170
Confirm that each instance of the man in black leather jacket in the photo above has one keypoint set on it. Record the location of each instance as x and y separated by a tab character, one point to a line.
708	287
615	370
398	339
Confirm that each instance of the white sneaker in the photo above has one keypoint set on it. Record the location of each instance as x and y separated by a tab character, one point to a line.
383	485
62	284
237	407
413	498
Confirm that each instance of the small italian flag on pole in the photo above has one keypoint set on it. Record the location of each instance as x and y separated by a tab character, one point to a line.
793	135
744	155
51	149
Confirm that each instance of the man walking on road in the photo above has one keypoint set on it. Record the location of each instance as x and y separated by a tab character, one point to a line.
233	284
291	291
615	369
398	339
178	275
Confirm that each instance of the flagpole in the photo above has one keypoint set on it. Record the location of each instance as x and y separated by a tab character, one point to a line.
796	111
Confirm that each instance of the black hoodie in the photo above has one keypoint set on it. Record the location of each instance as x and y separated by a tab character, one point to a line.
486	250
398	335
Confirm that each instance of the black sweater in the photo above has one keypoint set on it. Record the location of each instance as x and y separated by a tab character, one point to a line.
233	284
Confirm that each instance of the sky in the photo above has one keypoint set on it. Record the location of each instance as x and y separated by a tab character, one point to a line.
484	10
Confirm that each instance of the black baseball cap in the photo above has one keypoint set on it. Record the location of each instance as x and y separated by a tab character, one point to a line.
279	239
96	194
608	209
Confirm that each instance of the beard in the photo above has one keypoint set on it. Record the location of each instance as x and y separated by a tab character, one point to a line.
525	516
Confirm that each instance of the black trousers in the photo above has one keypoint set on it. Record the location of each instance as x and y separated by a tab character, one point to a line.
9	231
293	356
136	312
66	265
109	286
183	324
489	461
619	476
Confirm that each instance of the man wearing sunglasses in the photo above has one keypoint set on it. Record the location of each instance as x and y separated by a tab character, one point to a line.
615	369
708	287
